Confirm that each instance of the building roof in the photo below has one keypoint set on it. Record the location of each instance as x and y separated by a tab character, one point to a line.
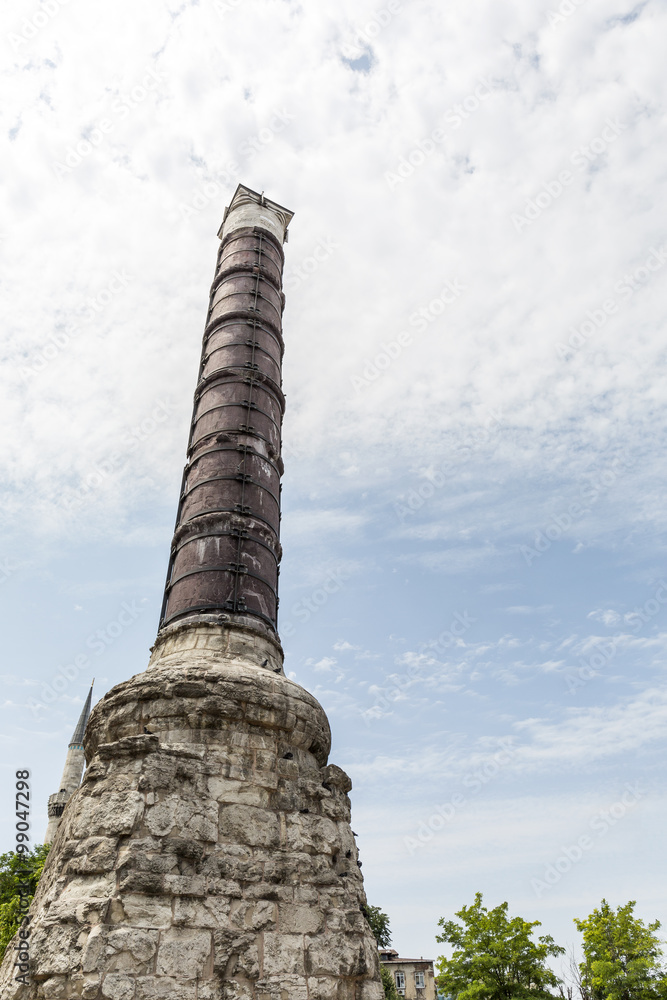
407	961
390	956
77	738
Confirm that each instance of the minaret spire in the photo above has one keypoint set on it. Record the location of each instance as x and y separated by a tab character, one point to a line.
72	772
77	736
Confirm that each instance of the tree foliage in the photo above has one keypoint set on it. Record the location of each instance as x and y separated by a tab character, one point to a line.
621	956
389	985
495	957
379	922
16	868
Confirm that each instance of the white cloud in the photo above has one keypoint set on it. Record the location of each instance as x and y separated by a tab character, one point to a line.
324	665
195	120
597	733
595	736
608	617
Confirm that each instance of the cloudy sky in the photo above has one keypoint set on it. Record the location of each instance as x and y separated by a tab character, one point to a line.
474	439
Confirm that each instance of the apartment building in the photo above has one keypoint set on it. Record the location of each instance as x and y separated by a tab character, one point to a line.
414	977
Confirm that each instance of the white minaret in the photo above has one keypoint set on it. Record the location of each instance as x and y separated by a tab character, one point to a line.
72	771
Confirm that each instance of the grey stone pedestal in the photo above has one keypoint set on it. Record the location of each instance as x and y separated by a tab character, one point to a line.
212	857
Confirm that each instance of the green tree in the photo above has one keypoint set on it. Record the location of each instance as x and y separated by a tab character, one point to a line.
621	956
495	957
379	922
389	985
14	869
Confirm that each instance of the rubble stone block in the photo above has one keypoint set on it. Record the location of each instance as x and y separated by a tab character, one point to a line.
283	955
140	945
90	987
211	913
323	988
53	951
147	911
350	957
245	793
299	919
283	987
116	813
183	952
93	949
253	916
165	988
249	825
54	988
117	986
370	991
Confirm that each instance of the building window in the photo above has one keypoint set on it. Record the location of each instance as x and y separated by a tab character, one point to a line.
419	980
400	980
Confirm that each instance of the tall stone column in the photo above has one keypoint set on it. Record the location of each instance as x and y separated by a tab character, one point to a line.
208	854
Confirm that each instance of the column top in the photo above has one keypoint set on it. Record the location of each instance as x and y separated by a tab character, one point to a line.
248	208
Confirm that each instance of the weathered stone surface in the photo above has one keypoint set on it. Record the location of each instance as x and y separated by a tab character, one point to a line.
118	987
283	954
146	911
210	859
93	855
209	913
116	813
130	949
183	952
299	919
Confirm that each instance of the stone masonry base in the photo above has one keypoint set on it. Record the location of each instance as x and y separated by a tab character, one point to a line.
207	854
